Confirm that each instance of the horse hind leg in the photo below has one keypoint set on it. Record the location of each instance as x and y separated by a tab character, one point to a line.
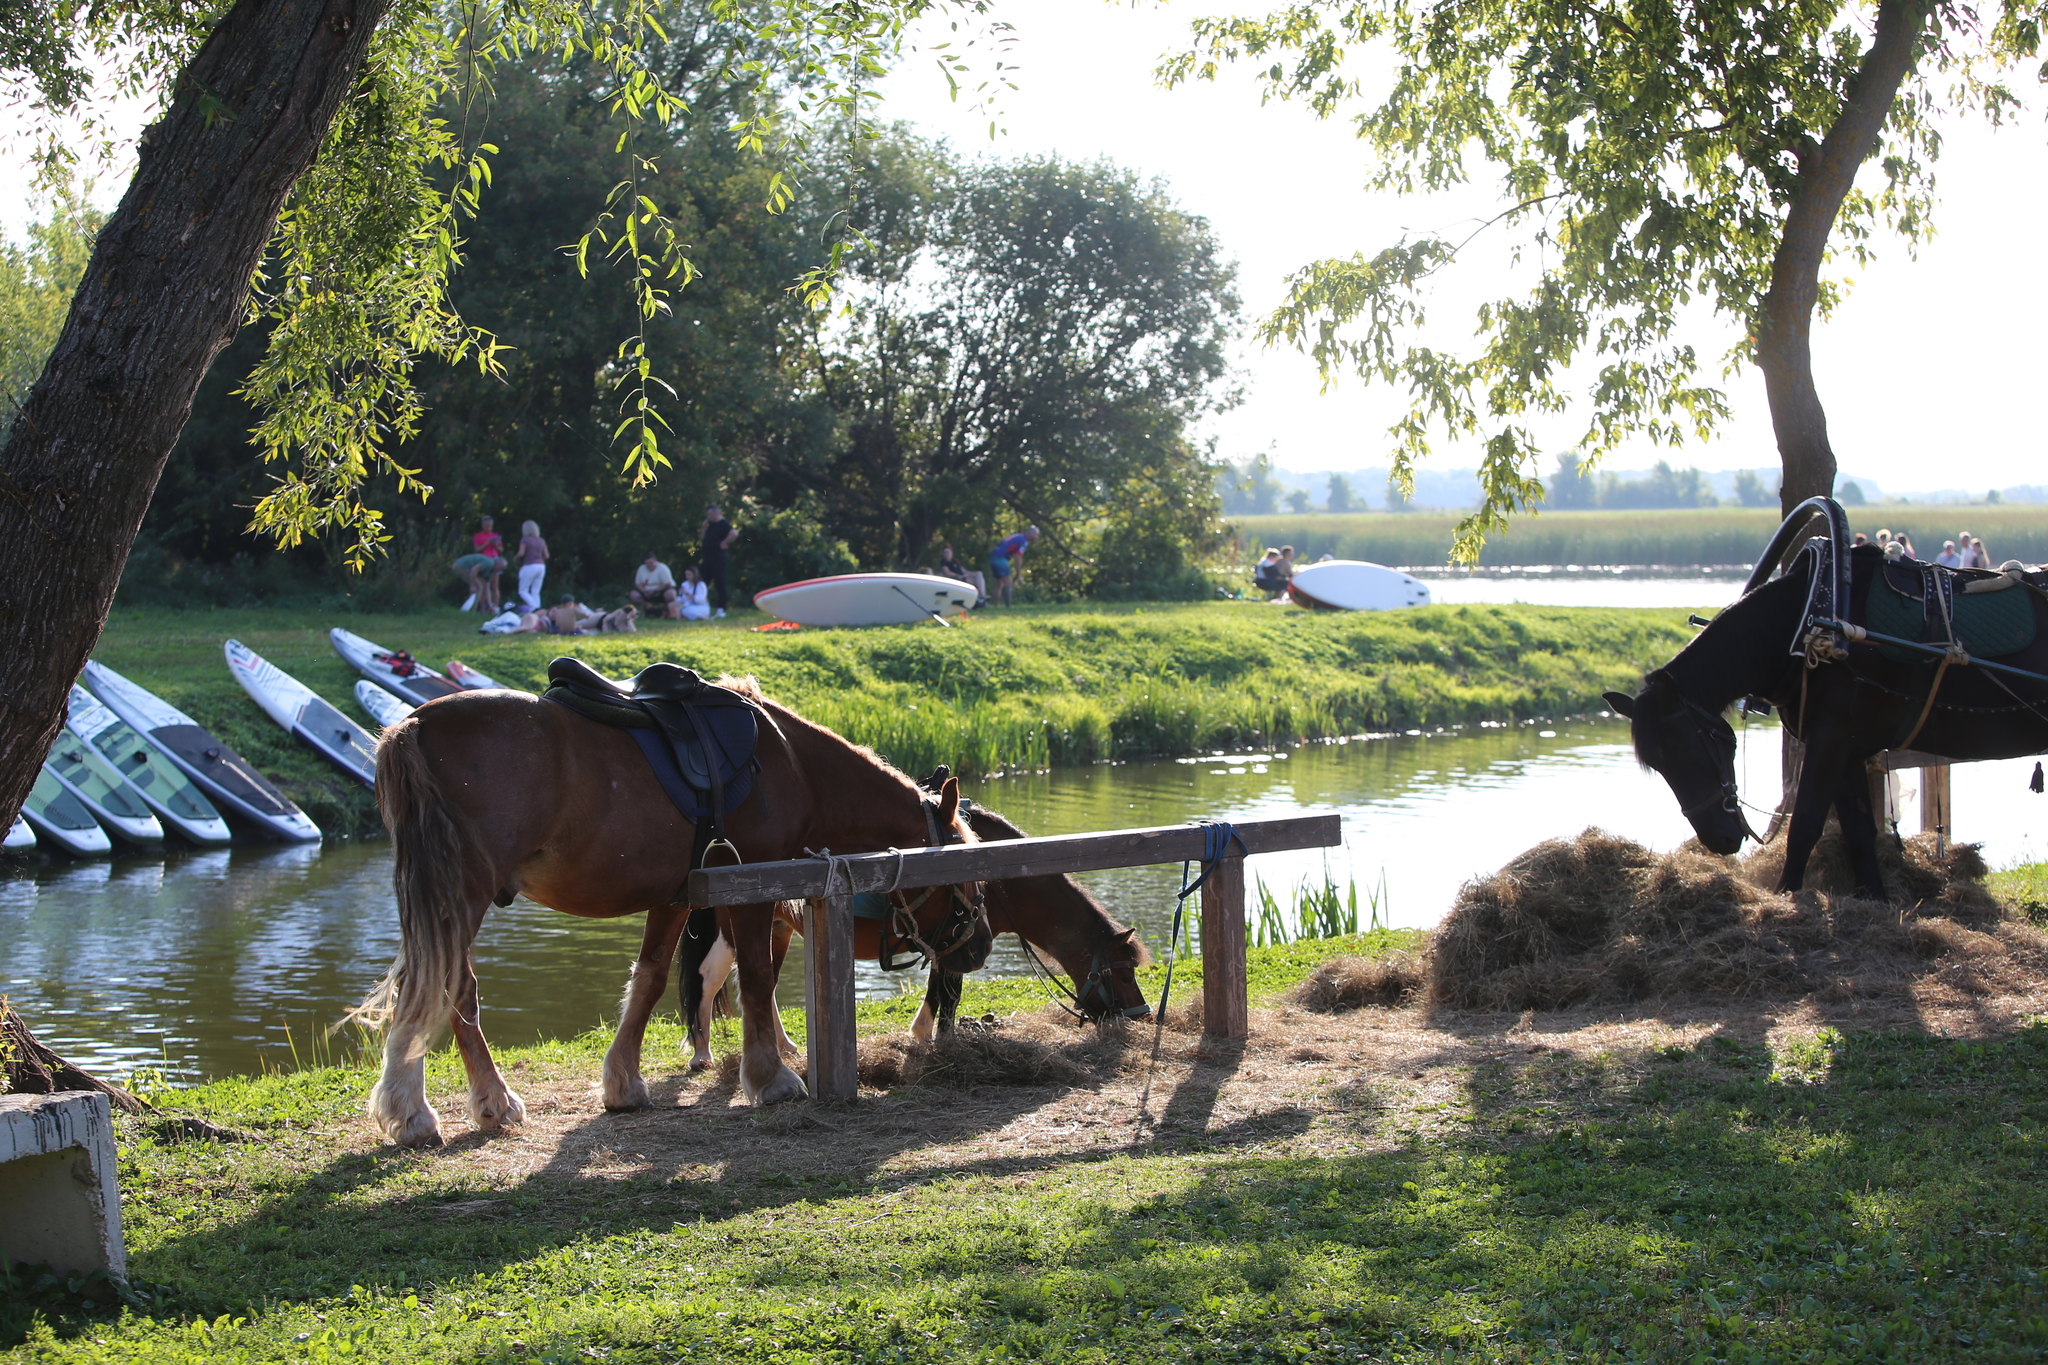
492	1103
941	1006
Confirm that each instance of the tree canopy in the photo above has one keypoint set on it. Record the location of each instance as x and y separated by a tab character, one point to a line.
1654	157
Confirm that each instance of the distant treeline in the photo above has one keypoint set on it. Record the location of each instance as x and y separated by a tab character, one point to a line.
1701	536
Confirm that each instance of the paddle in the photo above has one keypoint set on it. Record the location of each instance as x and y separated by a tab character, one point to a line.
928	611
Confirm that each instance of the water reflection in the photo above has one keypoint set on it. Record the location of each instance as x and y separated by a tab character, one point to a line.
224	960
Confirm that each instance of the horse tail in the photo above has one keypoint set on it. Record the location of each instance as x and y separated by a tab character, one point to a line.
436	848
700	935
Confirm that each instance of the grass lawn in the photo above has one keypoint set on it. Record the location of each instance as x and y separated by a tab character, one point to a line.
1028	688
1731	1181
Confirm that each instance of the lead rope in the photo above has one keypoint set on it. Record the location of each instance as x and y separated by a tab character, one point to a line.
1217	837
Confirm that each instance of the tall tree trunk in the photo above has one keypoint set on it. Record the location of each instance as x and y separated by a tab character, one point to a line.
164	292
1827	170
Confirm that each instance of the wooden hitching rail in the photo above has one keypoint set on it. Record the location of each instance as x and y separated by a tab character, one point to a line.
828	921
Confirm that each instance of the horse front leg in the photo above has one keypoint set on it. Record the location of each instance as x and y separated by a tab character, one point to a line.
941	1005
764	1077
1820	776
492	1103
1858	818
624	1087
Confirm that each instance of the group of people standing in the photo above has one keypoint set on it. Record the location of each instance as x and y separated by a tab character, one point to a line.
1964	552
657	592
485	563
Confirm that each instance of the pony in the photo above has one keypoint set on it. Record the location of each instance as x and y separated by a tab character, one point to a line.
1053	913
489	794
1844	710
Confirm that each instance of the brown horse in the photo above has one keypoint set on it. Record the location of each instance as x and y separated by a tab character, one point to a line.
1053	914
489	794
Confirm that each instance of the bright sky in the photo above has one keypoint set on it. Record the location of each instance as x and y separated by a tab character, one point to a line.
1931	372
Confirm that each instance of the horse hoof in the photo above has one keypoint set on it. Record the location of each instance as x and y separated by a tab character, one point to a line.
700	1063
628	1097
416	1130
488	1113
786	1086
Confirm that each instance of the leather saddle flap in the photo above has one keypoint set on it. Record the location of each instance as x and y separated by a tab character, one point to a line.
685	710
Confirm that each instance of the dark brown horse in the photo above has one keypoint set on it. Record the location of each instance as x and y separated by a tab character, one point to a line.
489	794
1844	710
1054	914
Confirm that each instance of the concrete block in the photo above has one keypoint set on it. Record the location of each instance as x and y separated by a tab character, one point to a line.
59	1202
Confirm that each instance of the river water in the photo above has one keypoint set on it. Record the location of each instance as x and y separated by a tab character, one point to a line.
229	961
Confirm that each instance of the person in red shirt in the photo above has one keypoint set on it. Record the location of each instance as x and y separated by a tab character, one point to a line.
491	545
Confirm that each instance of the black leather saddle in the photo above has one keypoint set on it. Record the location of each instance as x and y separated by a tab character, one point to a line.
698	737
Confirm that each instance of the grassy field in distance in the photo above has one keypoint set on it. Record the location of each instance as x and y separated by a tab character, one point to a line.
1679	537
1030	688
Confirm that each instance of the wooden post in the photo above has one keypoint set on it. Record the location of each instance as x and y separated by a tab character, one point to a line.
1226	1012
1934	806
829	1049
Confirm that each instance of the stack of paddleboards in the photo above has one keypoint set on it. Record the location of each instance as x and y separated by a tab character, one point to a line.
301	711
867	599
227	780
1355	585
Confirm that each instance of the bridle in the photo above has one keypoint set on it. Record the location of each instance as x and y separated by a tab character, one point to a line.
1728	798
899	920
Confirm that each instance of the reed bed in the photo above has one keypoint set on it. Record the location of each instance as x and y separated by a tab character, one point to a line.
1677	537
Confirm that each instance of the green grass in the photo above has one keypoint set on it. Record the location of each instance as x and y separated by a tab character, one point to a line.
1031	688
2025	888
1846	1197
1714	535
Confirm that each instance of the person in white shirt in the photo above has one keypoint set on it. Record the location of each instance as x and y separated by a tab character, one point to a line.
1975	556
654	587
693	597
1948	558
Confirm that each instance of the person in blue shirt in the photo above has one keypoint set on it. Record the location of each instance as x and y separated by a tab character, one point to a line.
1007	559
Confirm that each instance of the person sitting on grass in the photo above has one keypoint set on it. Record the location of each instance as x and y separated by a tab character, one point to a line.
654	587
1267	575
950	567
693	597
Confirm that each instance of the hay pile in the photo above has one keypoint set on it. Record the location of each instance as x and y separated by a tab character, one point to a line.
1025	1049
1349	983
1598	919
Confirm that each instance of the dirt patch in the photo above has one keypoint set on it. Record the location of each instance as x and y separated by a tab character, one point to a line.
1600	919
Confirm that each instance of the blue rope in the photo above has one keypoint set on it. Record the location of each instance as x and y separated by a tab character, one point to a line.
1217	837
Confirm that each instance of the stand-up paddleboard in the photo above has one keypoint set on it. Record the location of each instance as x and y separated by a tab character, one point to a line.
230	781
380	705
867	599
1355	585
101	789
62	819
462	673
160	783
20	835
396	672
299	709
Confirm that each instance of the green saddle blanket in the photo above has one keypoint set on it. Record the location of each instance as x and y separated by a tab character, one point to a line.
1989	625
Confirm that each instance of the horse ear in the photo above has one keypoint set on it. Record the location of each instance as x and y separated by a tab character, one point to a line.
949	801
1620	703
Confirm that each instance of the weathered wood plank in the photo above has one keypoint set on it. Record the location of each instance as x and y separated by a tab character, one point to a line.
801	878
1935	815
1226	1010
1892	760
829	1048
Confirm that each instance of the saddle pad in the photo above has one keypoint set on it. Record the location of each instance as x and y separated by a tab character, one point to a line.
1990	625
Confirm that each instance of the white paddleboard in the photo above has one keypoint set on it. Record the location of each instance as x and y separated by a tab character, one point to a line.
380	705
399	674
101	789
149	773
228	780
299	709
1355	585
867	599
61	819
20	835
